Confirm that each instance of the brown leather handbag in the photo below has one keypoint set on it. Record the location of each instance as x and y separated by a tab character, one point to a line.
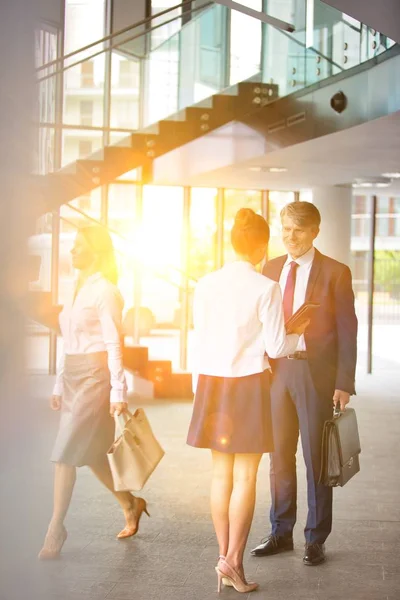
340	449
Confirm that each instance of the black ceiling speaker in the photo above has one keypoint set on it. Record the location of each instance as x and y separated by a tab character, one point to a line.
339	102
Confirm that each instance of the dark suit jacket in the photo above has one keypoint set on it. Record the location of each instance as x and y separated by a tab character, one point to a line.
331	337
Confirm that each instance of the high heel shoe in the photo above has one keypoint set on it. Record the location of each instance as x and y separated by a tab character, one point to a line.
141	507
52	545
225	581
225	571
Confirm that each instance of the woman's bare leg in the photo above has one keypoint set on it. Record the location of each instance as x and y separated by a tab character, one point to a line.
221	489
241	507
64	482
131	506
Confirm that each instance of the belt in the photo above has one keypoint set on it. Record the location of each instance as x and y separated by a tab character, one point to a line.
299	355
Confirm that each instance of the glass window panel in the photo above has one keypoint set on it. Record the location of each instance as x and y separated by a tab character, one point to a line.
87	74
245	58
120	138
396	205
360	205
234	200
37	336
84	23
79	143
86	113
133	175
90	204
202	232
122	208
161	34
159	249
125	92
159	246
202	67
162	69
383	205
382	225
126	268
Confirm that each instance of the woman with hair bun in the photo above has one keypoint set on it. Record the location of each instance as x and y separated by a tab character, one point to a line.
90	385
238	320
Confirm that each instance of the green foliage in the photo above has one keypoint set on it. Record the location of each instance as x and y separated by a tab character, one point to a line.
387	271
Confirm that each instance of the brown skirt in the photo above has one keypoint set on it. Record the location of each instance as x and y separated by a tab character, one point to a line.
232	414
86	429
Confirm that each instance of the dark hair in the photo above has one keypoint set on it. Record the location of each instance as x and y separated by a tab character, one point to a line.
249	232
302	213
100	242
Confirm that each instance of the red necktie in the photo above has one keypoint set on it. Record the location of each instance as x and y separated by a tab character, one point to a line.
288	294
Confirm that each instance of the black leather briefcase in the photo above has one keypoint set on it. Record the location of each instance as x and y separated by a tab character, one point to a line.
340	449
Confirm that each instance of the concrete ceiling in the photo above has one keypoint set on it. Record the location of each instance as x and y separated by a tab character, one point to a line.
363	151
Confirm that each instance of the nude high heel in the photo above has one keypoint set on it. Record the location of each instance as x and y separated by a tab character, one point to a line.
225	581
225	571
52	545
141	508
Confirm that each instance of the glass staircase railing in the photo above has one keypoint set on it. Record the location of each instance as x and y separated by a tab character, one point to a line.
133	79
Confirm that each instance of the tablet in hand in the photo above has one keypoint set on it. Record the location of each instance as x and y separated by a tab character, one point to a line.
301	315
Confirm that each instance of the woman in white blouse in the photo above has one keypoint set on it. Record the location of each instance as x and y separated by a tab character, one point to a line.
238	319
90	386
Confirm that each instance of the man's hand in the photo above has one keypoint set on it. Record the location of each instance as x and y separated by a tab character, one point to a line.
55	402
342	397
116	408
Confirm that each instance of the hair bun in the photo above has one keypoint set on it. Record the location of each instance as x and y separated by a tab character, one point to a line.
245	218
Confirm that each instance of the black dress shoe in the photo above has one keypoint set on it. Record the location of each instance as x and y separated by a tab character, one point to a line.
273	544
314	554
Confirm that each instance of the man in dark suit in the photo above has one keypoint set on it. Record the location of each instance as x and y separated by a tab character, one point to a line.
305	385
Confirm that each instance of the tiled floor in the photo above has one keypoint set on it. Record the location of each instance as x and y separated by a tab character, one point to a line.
173	555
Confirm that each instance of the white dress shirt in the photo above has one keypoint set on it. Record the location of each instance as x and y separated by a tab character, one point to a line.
92	323
238	316
302	277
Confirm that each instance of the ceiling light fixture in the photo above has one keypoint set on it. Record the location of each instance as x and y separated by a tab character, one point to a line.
259	169
369	182
391	175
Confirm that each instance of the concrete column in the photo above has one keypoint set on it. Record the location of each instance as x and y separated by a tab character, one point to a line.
334	204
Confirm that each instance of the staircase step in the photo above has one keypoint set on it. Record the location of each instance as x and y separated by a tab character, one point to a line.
253	95
135	359
225	104
159	373
204	120
179	387
174	133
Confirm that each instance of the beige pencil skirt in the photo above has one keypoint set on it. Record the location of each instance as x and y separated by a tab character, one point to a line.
86	429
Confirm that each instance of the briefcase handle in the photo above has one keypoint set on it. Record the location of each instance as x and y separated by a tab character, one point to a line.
336	410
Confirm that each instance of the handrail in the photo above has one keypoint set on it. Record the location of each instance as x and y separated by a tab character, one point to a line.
143	33
114	46
125	239
314	50
129	28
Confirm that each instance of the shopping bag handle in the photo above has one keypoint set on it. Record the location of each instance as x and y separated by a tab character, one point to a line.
122	419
